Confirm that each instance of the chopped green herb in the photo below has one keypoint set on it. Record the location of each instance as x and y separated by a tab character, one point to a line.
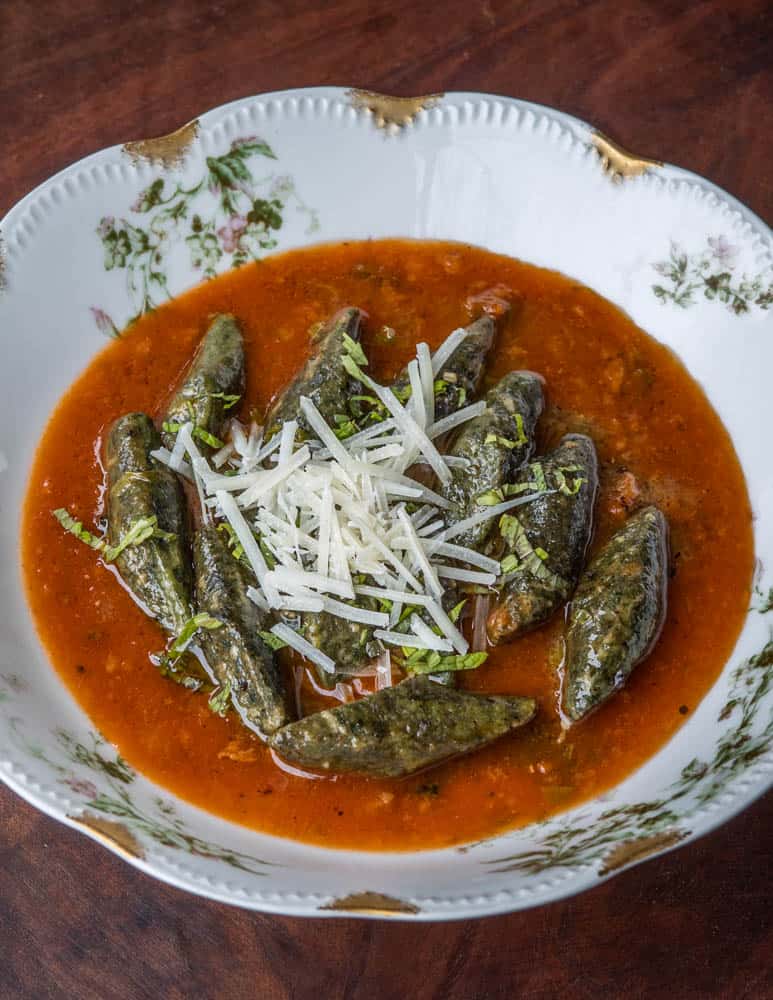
220	700
272	641
490	498
505	442
454	613
509	564
440	664
440	385
540	483
510	528
346	426
365	399
76	528
352	368
515	489
530	559
230	401
563	485
407	611
207	438
140	531
237	549
186	634
522	439
354	350
268	555
172	427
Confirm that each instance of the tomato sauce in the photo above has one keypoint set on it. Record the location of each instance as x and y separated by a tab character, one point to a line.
657	438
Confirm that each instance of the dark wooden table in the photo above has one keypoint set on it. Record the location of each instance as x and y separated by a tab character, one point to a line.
688	83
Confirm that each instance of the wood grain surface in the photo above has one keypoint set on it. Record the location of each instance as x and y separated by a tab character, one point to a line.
687	83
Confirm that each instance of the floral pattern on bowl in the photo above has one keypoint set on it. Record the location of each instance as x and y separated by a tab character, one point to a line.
711	273
135	233
241	226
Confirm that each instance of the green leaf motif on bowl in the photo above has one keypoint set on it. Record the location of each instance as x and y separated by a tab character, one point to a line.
242	225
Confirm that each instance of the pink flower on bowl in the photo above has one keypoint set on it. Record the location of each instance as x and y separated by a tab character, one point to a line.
81	787
723	251
231	232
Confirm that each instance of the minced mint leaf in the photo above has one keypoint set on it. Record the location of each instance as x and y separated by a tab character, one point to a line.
454	613
220	700
509	564
207	438
436	664
69	523
354	350
140	531
499	439
272	641
229	400
490	498
190	628
236	547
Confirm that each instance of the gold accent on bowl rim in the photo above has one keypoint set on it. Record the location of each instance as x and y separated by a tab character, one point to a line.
111	833
371	902
168	150
388	110
631	851
617	162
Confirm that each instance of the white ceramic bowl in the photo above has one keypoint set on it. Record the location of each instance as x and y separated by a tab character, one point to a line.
689	263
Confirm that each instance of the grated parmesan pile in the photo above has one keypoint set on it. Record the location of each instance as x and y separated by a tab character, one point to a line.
332	512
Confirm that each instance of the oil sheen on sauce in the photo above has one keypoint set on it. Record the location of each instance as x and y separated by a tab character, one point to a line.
657	437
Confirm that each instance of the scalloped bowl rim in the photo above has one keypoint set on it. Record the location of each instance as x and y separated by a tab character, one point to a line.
569	880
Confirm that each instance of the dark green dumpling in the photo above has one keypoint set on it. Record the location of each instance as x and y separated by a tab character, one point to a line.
349	644
546	539
617	612
157	571
459	381
496	444
235	652
214	379
401	729
323	378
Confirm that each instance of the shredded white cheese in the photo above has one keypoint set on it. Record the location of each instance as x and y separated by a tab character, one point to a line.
315	516
300	645
447	348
